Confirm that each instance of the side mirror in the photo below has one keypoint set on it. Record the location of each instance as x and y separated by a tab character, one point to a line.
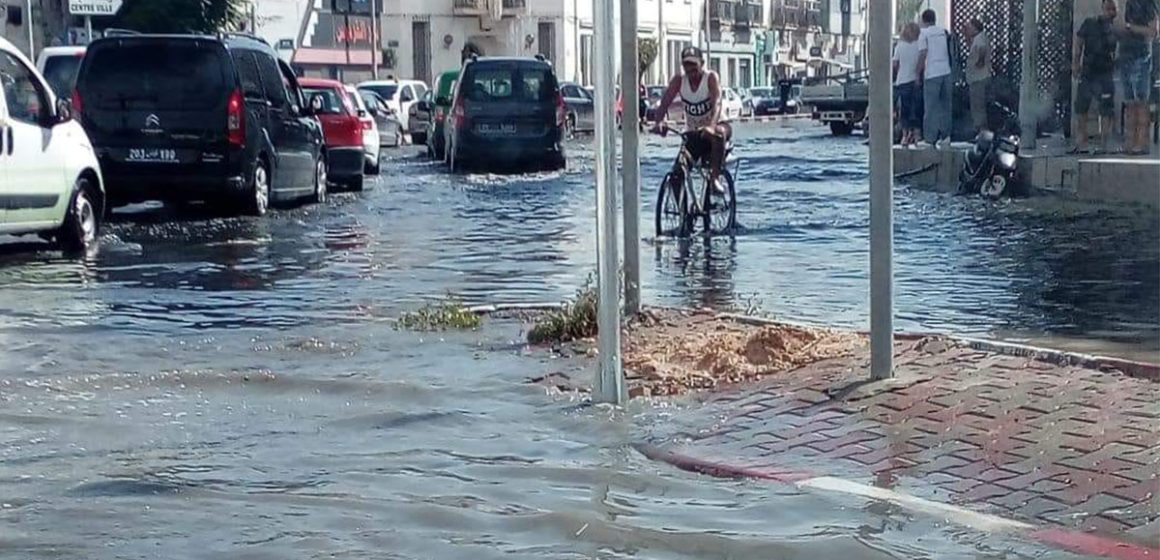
64	111
316	104
362	113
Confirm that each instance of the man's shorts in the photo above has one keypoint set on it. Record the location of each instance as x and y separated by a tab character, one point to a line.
701	143
1136	75
1100	89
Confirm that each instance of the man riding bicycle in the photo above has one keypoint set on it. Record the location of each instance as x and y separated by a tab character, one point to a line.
700	91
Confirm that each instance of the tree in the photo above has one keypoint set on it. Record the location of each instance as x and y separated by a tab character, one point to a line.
646	54
180	16
907	11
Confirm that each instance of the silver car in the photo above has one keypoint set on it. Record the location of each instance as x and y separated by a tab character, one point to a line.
390	131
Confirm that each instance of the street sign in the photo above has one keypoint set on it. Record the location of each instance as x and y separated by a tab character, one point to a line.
93	7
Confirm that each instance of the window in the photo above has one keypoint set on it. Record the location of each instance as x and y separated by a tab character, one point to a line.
27	101
546	32
586	60
277	89
572	92
384	91
332	103
407	95
249	75
60	72
155	75
504	83
745	79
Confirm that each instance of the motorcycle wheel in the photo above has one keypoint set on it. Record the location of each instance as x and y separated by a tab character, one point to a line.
994	187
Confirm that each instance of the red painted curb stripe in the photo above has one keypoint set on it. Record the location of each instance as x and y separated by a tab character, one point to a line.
1096	545
1074	541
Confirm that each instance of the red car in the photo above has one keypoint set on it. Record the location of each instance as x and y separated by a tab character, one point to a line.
342	129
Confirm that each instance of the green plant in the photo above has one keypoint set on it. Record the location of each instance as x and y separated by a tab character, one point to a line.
447	314
575	320
646	54
180	16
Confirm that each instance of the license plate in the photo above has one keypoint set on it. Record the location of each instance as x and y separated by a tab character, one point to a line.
496	129
152	155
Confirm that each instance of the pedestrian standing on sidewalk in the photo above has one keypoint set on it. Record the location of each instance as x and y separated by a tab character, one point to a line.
978	72
1136	34
1094	64
934	66
906	84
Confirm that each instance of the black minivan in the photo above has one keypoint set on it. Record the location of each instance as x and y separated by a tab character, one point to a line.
507	112
199	118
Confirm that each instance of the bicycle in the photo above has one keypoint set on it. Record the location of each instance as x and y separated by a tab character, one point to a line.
679	203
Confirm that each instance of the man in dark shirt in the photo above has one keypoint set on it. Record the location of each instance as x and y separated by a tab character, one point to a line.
1094	64
1137	33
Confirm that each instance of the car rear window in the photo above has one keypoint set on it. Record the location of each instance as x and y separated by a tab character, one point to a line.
384	91
333	102
761	92
61	73
152	75
509	83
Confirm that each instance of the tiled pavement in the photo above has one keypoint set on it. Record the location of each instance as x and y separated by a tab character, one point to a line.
1027	440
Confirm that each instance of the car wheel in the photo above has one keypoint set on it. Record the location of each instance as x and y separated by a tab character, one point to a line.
418	138
82	222
320	181
570	126
373	168
257	201
841	128
356	183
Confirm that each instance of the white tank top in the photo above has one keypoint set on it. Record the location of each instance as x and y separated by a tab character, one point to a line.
699	111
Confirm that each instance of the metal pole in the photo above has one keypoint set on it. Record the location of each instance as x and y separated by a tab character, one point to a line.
708	37
881	193
630	140
28	22
609	386
662	44
375	42
89	29
1028	85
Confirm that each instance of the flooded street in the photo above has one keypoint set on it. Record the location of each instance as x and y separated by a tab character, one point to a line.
233	388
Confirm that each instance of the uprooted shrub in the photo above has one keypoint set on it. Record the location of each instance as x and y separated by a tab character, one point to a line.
446	314
575	320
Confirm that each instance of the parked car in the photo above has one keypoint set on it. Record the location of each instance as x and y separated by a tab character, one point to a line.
342	130
730	104
372	147
59	65
580	106
184	117
764	101
390	131
507	110
444	89
50	180
400	95
655	93
420	118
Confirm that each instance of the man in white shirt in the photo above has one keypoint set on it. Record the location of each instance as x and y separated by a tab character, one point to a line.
934	64
978	72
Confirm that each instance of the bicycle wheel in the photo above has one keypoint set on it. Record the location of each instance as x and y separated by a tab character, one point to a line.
672	210
720	210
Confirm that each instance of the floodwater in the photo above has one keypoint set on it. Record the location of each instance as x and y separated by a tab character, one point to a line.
232	388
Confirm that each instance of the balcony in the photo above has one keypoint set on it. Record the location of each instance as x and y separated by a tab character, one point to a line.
479	8
749	14
722	12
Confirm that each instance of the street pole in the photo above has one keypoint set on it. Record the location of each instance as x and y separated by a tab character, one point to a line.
1028	85
375	42
345	43
708	38
662	44
89	29
881	194
630	168
609	386
28	22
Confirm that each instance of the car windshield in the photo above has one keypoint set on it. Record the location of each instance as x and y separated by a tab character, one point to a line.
761	92
655	92
332	103
510	83
156	76
61	73
385	91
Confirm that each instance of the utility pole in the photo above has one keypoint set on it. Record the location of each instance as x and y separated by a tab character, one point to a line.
28	22
1028	86
662	44
609	385
375	41
630	140
708	38
881	195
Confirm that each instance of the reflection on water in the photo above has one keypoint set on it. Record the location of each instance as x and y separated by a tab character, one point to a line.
207	387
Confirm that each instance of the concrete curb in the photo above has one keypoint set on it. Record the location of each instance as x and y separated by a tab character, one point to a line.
1074	541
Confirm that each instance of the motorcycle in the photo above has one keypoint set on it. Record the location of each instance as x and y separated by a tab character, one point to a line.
989	168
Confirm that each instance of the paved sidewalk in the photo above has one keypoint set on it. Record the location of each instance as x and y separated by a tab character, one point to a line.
1049	445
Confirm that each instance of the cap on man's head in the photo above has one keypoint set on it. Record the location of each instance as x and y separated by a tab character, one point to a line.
692	54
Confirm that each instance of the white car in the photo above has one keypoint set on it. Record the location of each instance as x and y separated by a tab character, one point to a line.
50	181
372	145
731	104
59	66
399	95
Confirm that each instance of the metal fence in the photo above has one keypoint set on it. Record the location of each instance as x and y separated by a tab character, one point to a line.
1003	20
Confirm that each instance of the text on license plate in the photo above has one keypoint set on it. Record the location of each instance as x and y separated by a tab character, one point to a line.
155	155
496	128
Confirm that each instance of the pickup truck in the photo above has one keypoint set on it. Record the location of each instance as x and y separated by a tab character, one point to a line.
840	101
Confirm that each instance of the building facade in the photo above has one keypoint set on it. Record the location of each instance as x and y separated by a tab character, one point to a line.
813	38
737	41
